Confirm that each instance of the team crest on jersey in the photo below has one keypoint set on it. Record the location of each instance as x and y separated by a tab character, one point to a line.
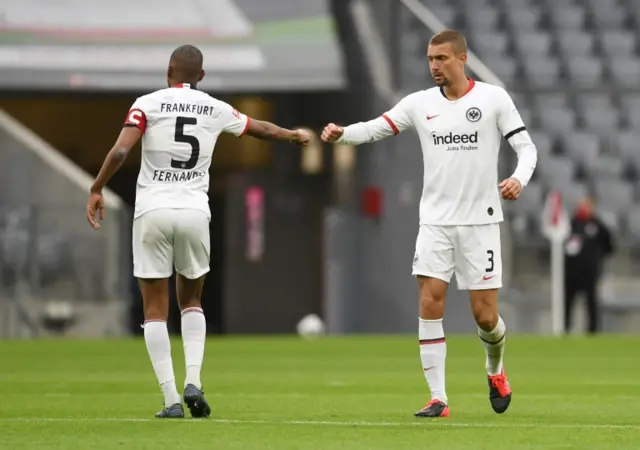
473	114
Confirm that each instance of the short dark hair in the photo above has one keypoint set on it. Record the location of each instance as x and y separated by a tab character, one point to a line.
187	60
455	38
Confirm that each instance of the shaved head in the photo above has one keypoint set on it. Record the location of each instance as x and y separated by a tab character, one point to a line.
185	65
457	41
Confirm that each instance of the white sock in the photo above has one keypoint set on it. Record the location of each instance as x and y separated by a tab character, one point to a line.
194	333
494	342
156	336
433	352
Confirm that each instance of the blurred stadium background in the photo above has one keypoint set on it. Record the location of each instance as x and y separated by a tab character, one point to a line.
326	230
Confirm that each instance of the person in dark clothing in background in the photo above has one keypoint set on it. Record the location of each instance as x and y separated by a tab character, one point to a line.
588	245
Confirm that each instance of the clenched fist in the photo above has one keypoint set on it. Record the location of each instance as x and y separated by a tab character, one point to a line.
332	133
510	189
303	137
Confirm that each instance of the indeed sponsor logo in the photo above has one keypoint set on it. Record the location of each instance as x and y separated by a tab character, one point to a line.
456	142
448	139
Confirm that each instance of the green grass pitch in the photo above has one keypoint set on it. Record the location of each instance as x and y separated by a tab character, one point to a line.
333	393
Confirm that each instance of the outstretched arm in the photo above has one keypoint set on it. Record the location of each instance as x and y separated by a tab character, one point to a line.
391	123
271	132
238	124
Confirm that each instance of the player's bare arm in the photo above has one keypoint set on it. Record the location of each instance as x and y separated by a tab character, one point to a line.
268	131
129	136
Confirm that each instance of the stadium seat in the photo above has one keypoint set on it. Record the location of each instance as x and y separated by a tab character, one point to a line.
445	13
530	200
625	71
481	18
533	43
575	42
609	16
585	71
504	68
582	147
542	141
558	120
607	167
617	195
523	19
556	170
588	100
568	17
618	43
633	224
541	74
628	146
543	100
601	119
489	43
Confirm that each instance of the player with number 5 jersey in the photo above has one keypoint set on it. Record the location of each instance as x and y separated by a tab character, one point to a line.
179	127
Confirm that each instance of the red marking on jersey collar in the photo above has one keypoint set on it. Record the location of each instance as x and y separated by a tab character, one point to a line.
182	85
472	83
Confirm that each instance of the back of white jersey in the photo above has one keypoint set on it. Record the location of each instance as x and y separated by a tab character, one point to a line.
180	128
460	143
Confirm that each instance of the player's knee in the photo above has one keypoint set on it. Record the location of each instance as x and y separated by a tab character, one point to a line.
486	319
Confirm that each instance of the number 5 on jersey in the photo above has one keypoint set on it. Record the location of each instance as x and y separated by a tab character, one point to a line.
187	139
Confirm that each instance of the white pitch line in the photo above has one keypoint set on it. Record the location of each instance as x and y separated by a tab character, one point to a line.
442	423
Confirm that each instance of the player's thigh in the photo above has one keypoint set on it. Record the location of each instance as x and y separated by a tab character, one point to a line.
478	257
434	256
152	245
192	246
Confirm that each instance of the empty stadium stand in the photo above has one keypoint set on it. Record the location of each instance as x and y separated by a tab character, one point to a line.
573	68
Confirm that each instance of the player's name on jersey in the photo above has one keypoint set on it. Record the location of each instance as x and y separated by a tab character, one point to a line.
190	108
176	176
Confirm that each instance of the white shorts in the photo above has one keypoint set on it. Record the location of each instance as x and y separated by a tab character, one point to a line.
473	252
164	238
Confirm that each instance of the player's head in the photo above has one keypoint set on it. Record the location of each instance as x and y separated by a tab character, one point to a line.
185	66
447	55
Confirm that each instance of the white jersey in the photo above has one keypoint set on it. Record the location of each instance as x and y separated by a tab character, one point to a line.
181	126
460	143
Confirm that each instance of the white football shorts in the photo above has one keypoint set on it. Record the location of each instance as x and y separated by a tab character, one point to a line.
164	238
472	252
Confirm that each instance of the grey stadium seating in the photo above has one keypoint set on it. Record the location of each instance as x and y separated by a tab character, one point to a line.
573	67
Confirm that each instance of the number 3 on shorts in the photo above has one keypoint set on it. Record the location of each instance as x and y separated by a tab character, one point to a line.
490	268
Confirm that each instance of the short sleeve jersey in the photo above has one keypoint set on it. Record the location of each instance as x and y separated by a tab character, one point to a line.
180	127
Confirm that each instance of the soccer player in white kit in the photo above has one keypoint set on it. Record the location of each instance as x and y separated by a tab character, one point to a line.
460	123
179	127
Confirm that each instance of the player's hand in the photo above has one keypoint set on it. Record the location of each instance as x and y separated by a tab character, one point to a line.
95	209
332	133
510	189
303	137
